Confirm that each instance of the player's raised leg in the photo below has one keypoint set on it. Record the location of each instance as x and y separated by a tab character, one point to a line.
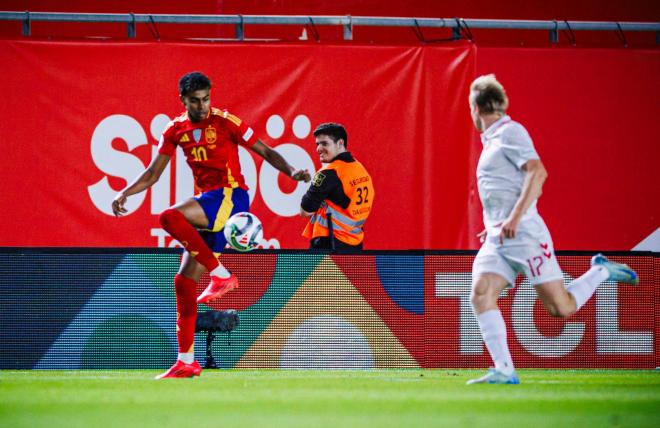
486	290
563	301
219	205
181	222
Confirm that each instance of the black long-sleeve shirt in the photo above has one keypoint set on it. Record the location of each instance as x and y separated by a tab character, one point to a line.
326	185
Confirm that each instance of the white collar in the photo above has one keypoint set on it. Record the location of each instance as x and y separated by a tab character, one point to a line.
490	131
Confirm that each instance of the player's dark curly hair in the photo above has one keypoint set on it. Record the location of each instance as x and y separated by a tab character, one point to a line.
333	130
193	81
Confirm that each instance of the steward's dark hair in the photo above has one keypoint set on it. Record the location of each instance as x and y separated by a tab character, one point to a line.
193	81
333	130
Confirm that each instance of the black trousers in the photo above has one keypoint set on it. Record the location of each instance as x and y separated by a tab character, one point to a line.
323	243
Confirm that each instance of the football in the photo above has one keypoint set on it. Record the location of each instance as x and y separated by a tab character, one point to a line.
243	231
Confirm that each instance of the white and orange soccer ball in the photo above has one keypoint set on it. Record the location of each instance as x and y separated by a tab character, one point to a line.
243	231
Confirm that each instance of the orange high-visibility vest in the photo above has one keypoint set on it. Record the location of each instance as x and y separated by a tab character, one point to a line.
347	222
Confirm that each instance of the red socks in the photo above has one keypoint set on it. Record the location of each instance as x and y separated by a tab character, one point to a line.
186	312
186	289
176	225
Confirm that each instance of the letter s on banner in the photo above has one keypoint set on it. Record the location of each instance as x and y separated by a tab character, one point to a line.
116	163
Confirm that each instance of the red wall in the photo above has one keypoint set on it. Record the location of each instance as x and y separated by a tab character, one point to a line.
590	112
589	108
75	88
633	10
586	10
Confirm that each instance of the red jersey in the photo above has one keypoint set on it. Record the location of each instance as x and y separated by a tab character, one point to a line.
211	148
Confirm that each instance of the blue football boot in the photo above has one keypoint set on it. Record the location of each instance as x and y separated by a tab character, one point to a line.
496	376
618	271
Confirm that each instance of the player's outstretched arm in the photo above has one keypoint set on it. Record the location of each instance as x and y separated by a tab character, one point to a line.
143	181
275	159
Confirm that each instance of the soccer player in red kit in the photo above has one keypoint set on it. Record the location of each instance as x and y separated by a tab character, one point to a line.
209	138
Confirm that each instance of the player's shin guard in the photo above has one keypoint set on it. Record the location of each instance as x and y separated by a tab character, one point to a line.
186	312
176	225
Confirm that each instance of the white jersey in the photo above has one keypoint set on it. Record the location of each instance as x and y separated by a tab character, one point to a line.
500	178
507	147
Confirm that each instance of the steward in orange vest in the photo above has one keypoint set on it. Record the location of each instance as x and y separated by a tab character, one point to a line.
342	188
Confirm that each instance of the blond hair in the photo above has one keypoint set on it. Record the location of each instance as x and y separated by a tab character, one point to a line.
489	95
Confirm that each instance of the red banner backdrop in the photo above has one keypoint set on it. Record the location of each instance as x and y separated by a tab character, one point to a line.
87	116
82	118
590	113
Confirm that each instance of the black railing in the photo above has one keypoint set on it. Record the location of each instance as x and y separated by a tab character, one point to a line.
458	26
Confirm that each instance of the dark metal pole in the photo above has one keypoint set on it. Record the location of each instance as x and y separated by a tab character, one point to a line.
26	24
331	232
210	361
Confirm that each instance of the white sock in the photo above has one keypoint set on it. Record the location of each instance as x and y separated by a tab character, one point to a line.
583	288
221	272
187	357
493	331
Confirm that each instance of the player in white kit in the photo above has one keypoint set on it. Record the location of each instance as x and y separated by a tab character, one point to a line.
510	177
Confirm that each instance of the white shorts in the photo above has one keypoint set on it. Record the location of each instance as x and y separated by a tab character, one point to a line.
530	252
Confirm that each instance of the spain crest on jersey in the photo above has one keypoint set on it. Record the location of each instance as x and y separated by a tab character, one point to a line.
197	134
210	135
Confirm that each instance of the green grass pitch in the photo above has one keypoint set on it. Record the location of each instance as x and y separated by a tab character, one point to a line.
373	399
